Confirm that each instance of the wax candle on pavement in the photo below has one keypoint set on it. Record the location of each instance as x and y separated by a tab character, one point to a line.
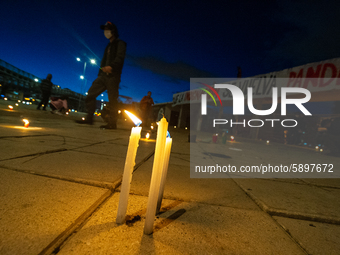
156	176
128	169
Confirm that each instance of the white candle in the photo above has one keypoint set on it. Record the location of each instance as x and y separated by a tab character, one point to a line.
127	175
156	176
164	172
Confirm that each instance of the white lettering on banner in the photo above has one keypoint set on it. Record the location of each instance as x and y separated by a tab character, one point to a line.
320	76
316	77
238	100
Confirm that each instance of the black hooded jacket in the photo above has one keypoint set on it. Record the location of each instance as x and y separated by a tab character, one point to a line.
46	84
114	56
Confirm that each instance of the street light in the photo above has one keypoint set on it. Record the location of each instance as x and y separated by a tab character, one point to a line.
92	61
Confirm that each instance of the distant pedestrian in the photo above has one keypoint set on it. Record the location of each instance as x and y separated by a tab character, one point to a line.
46	88
146	108
108	77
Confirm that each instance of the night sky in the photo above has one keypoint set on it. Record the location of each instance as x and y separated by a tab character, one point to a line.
167	41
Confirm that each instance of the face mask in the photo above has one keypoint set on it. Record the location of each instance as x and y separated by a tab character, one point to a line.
107	34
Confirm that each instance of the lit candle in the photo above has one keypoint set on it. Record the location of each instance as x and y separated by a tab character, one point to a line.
167	151
156	176
128	168
10	107
26	123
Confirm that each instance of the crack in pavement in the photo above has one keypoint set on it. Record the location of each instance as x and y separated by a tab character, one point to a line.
56	150
268	211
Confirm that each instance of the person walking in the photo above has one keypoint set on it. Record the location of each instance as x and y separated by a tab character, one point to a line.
108	77
146	107
46	88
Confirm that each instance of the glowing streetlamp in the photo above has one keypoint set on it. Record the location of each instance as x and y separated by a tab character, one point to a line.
92	61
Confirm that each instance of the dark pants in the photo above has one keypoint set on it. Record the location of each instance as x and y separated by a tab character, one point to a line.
146	116
99	85
44	100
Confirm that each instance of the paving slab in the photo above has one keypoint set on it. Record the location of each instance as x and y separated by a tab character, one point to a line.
314	237
186	228
295	198
76	164
35	210
85	157
180	186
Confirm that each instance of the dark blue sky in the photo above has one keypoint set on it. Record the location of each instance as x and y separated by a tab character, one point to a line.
167	41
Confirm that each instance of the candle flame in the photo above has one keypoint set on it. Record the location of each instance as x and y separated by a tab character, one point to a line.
232	138
27	123
147	136
135	120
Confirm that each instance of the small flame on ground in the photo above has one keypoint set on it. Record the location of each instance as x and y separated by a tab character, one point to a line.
26	122
147	136
10	107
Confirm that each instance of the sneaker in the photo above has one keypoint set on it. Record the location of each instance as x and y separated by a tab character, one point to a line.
88	122
109	126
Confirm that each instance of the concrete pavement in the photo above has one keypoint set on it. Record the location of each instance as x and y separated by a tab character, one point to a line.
60	185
